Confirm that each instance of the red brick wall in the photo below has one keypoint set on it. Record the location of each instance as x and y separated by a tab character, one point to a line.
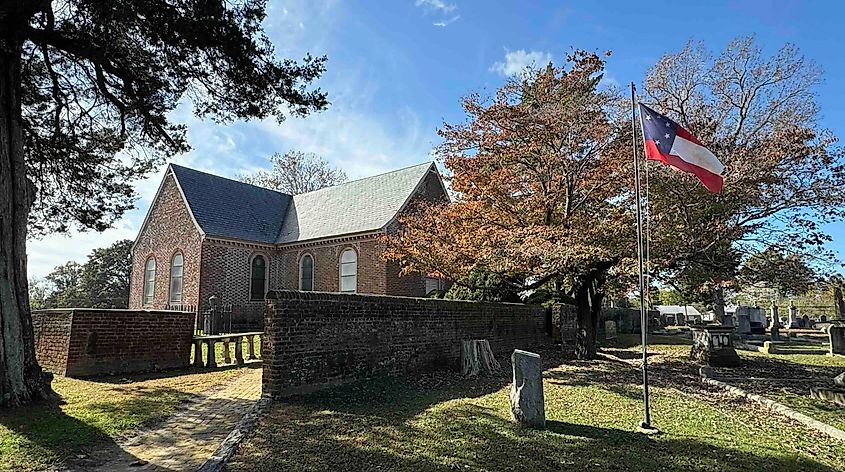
314	339
169	229
326	254
96	342
52	339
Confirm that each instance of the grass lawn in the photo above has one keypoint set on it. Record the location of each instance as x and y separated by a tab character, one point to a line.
93	412
441	422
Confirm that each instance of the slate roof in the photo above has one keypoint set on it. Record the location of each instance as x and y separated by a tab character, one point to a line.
227	208
352	207
232	209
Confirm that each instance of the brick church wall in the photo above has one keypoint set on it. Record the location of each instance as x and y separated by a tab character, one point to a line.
315	339
169	228
79	342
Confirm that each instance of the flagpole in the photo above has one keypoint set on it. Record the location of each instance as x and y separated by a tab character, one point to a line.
645	426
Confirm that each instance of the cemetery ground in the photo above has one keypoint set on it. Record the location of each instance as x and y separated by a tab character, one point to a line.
81	429
439	421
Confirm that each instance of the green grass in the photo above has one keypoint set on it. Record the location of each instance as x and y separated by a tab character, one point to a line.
92	412
442	422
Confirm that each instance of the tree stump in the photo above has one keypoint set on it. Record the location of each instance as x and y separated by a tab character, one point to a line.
477	358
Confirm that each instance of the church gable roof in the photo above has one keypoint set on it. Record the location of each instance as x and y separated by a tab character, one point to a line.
227	208
231	209
353	207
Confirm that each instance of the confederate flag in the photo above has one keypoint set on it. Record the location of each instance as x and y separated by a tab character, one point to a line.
669	143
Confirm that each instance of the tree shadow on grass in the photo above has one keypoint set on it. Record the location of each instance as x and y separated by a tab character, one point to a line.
471	437
42	436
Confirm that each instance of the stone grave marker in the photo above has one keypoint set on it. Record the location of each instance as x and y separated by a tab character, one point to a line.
839	380
609	330
837	340
528	404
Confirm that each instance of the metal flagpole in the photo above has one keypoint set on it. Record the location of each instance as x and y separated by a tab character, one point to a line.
646	423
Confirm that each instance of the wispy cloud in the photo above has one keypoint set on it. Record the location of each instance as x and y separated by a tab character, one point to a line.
446	11
443	23
517	61
439	5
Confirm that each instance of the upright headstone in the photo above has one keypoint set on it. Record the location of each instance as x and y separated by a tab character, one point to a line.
609	330
837	340
775	326
713	345
839	380
527	402
793	316
727	320
743	323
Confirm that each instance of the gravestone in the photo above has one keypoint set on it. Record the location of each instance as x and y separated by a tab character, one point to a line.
713	346
727	320
743	323
840	379
609	330
805	321
837	340
793	316
528	405
775	326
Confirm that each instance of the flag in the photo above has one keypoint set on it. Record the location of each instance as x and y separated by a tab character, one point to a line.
669	143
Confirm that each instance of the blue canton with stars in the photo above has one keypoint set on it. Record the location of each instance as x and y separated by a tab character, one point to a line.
658	128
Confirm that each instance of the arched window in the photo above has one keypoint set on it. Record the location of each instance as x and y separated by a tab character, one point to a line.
176	265
149	281
306	273
258	278
348	271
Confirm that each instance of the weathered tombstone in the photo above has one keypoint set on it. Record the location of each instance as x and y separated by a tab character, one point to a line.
823	318
793	316
743	323
840	379
713	346
528	404
805	321
837	340
727	320
775	326
609	330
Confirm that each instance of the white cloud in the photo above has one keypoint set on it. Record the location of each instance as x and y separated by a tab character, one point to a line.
438	5
443	23
517	61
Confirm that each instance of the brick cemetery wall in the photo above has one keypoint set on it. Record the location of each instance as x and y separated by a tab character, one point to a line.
315	339
52	338
80	342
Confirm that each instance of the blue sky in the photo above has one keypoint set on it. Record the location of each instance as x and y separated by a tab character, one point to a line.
397	70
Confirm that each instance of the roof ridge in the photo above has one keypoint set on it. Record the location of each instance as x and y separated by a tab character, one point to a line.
427	163
227	178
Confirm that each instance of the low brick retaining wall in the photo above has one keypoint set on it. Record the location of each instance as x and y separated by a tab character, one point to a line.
316	339
82	342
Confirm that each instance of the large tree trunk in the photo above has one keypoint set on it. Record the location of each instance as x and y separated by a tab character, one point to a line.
21	379
589	296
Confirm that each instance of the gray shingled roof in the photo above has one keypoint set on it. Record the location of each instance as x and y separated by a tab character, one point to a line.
231	209
353	207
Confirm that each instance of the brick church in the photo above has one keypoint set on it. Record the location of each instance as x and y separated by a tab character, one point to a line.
207	235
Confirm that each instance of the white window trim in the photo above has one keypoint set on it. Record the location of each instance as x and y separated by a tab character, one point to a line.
148	282
266	277
170	300
340	270
313	270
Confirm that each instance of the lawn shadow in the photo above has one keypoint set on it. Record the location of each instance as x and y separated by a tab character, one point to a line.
48	434
471	437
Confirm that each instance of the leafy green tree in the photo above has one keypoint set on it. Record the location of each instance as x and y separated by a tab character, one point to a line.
105	276
86	91
788	274
65	289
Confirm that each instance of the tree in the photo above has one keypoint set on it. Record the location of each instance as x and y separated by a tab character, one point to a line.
542	177
105	276
788	274
296	172
86	88
785	177
65	288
